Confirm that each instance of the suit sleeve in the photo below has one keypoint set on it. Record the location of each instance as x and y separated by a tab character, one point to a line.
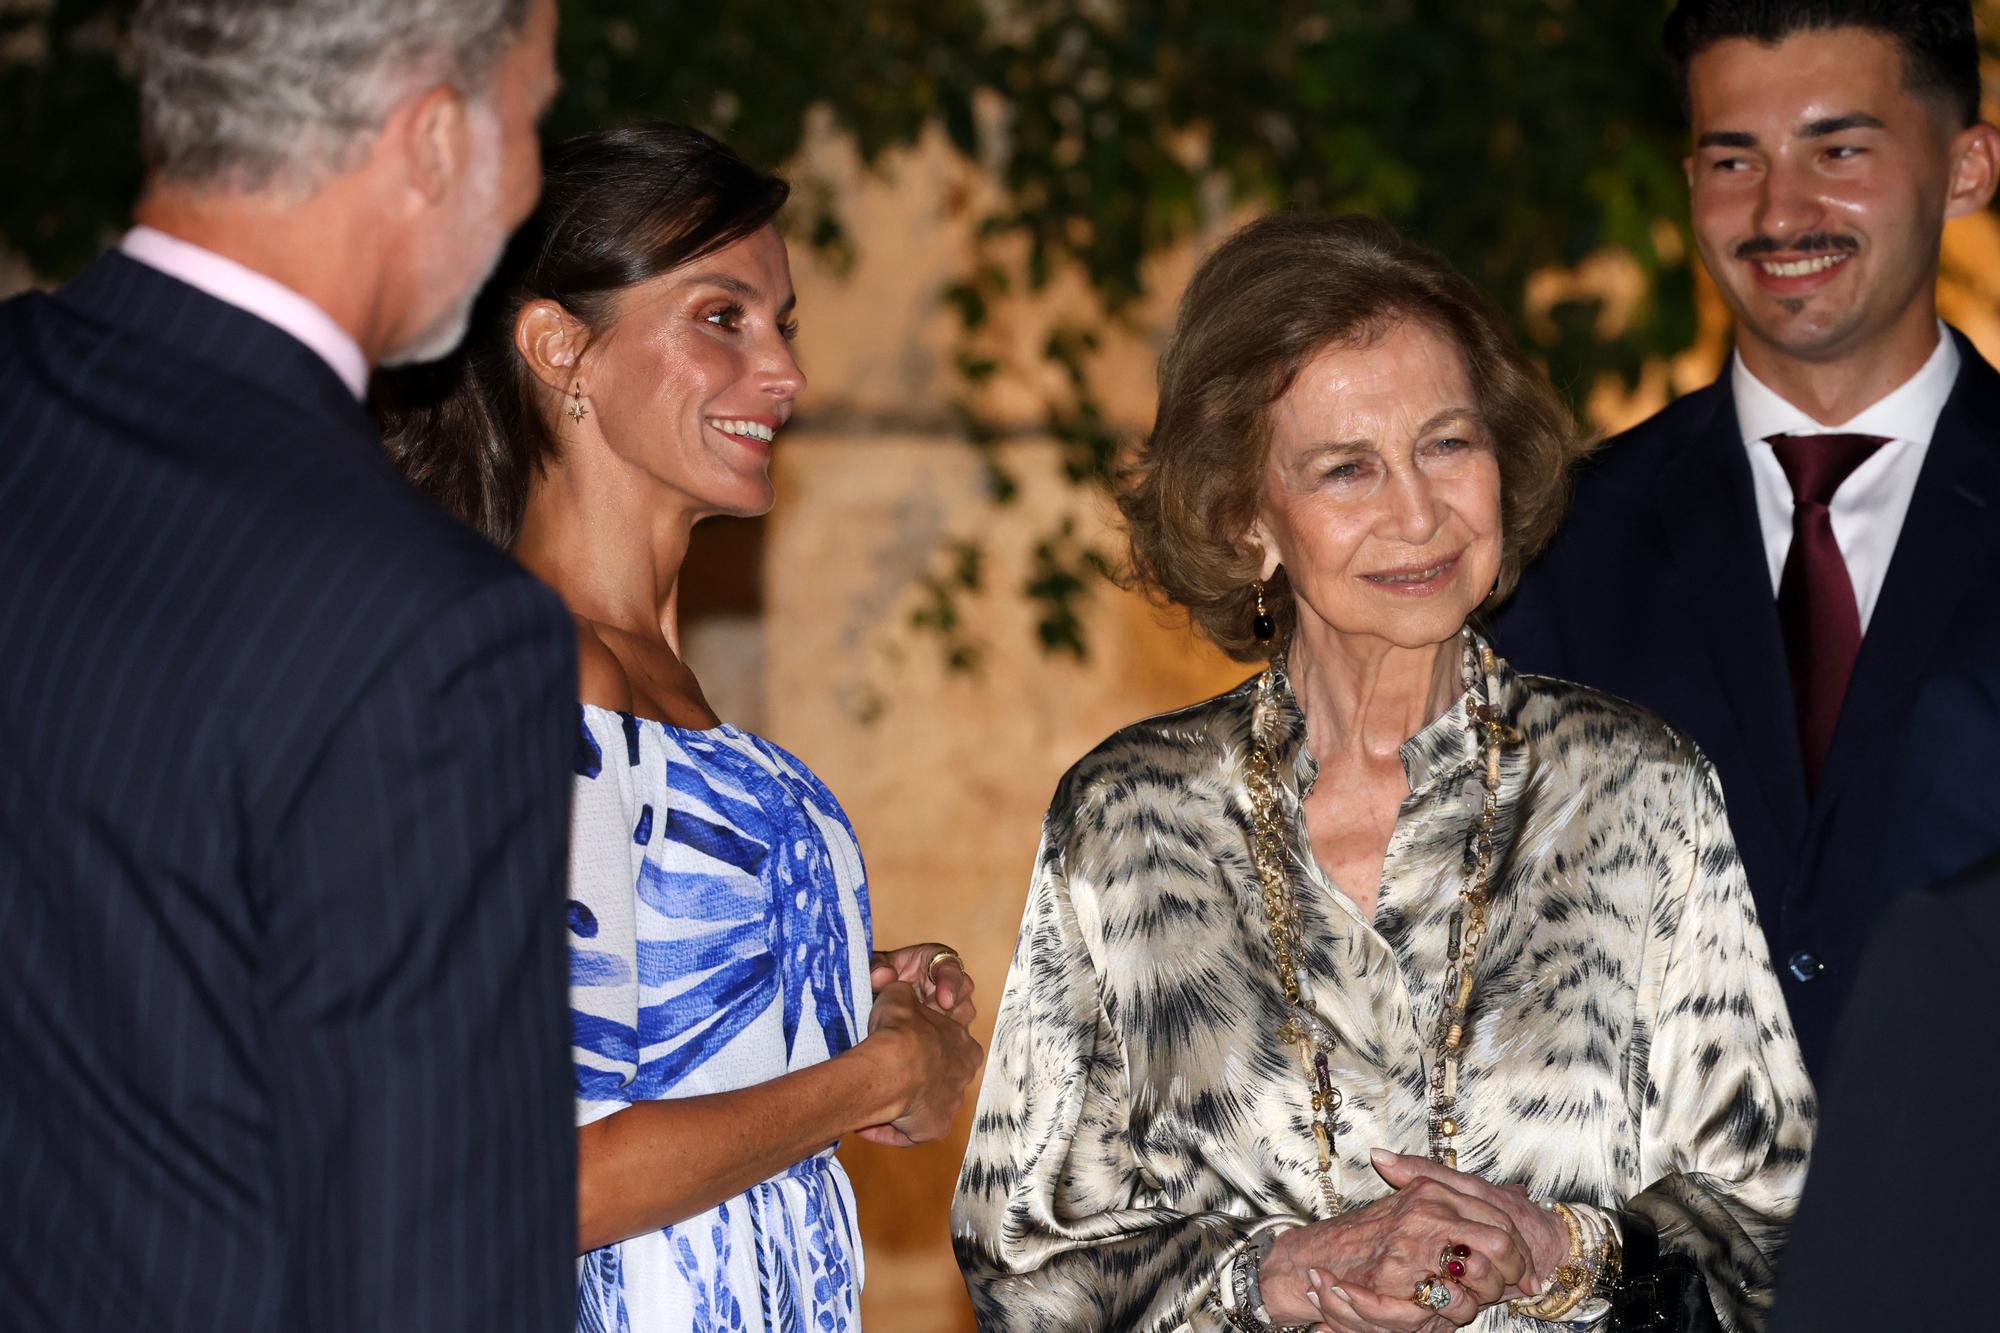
1052	1223
1886	1194
422	1084
1727	1108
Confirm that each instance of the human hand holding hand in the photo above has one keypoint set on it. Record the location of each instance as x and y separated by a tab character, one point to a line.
1546	1236
1371	1258
926	1058
1341	1315
935	970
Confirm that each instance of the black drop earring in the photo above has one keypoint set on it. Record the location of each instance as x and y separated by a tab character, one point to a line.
1261	624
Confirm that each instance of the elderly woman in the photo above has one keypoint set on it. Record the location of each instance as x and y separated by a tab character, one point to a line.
1391	989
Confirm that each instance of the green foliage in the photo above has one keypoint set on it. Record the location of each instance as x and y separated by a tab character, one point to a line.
1063	569
69	140
938	601
1513	135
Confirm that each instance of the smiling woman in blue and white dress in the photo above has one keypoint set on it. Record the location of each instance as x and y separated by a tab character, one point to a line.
1391	989
625	376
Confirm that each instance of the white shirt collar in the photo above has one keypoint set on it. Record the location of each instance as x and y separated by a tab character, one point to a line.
1907	412
246	289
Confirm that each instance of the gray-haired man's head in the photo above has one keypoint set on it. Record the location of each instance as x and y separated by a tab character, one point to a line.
255	95
399	135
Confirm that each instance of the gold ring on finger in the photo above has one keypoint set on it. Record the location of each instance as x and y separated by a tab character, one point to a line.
1451	1260
1433	1293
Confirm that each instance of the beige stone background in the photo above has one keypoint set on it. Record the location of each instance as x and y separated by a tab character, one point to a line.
945	775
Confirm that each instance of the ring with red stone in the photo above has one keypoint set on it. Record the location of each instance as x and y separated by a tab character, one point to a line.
1452	1259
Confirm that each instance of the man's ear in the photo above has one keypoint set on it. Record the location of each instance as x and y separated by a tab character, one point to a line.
1975	169
432	132
551	341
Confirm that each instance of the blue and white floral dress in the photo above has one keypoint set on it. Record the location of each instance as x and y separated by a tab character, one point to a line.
719	938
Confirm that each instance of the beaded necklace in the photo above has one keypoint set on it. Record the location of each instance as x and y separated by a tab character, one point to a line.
1271	844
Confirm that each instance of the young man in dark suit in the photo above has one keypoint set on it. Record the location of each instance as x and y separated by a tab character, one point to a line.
1779	562
284	800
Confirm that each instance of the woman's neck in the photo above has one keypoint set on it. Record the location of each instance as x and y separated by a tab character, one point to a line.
612	549
1363	697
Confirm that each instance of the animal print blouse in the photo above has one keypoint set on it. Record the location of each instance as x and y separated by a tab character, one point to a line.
1628	1044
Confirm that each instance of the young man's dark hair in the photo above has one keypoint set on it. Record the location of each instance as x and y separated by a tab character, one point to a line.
1940	49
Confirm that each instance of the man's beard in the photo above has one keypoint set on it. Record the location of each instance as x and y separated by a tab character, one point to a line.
442	335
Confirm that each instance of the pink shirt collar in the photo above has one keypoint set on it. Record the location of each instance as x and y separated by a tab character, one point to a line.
248	290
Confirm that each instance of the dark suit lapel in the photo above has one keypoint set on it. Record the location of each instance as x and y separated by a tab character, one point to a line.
1710	513
1953	516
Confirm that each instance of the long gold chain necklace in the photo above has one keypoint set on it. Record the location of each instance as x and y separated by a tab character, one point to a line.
1302	1028
1271	846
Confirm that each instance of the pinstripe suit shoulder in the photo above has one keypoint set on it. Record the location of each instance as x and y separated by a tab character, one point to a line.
281	844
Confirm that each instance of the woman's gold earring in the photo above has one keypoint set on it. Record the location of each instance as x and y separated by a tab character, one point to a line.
577	411
1261	624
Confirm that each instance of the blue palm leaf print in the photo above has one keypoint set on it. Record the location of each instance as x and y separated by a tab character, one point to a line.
692	896
725	1006
723	940
808	927
603	1036
719	841
775	1286
589	760
594	967
600	1293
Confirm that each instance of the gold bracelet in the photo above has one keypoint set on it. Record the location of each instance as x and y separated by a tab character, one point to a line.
1569	1286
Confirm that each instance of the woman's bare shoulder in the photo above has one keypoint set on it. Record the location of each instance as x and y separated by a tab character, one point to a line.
600	677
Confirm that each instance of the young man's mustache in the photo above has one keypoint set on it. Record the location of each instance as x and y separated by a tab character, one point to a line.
1811	243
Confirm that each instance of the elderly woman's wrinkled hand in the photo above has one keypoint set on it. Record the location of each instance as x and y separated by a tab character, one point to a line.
1546	1237
1342	1310
1379	1252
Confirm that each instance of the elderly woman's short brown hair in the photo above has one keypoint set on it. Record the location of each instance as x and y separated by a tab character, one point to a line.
1270	299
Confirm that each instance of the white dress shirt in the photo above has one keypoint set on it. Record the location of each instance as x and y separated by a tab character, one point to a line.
1868	509
248	290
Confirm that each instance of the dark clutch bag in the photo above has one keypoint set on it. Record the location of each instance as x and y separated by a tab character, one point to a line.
1655	1292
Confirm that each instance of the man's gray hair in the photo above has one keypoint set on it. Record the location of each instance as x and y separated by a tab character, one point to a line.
256	95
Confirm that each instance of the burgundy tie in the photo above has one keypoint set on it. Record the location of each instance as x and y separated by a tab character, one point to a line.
1815	596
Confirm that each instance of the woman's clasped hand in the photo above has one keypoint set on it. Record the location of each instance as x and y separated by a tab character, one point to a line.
919	1029
1358	1272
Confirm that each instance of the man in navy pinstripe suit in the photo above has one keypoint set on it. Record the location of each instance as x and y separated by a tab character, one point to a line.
283	751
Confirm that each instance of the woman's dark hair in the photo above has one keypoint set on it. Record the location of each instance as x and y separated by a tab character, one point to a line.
1940	48
618	207
1270	299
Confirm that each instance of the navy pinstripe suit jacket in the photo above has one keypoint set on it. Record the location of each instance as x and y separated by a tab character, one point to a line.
283	818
